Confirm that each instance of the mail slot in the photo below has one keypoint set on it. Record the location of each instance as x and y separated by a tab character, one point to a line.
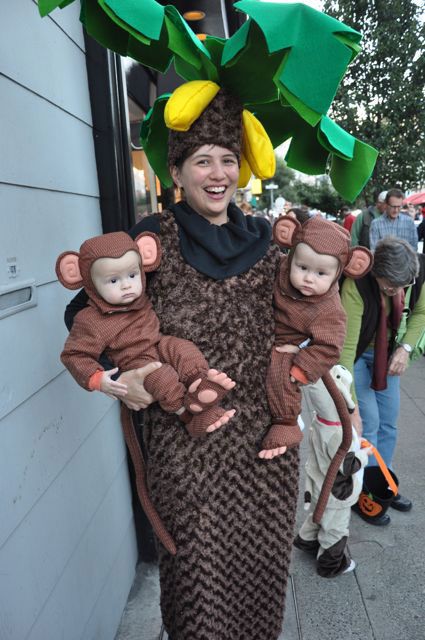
17	297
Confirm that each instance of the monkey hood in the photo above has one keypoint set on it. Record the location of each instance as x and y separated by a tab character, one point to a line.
110	245
325	237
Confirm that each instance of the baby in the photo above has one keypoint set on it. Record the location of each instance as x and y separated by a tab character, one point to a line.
120	321
310	321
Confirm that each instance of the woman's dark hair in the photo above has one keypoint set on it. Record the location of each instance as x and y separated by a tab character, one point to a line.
220	124
300	214
395	261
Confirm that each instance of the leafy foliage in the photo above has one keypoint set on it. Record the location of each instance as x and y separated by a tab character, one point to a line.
382	97
320	195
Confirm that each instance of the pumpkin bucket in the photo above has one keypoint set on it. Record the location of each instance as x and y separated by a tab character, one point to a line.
376	496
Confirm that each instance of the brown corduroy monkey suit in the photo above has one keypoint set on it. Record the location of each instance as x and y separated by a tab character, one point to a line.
321	319
129	335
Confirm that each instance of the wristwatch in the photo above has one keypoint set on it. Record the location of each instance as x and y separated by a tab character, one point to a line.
406	347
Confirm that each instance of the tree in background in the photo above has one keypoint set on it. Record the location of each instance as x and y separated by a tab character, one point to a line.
320	195
382	97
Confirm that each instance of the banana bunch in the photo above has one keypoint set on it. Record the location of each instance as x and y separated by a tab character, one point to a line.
187	103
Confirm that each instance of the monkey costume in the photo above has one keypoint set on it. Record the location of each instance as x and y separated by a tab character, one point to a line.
319	318
130	335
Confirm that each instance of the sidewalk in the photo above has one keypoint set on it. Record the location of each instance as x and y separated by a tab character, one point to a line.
383	599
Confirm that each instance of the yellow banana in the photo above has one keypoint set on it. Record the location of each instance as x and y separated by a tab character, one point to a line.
257	147
245	173
187	102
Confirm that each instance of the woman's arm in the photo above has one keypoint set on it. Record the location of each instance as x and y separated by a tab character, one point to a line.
415	326
353	305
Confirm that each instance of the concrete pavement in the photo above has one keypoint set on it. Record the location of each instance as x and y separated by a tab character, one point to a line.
383	599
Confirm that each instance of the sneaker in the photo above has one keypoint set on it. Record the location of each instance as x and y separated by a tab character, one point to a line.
350	567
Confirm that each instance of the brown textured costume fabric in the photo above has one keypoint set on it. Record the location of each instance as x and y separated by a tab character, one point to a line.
130	337
320	318
230	513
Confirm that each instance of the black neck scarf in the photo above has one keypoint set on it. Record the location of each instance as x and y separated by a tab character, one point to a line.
221	251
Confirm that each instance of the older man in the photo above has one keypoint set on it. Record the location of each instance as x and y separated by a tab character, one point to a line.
361	227
393	222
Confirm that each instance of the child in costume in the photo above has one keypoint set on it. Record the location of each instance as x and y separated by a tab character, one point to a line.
328	540
310	320
121	322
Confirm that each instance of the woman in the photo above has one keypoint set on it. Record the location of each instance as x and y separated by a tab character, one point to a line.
374	353
231	514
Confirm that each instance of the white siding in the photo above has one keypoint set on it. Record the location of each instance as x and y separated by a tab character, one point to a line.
67	544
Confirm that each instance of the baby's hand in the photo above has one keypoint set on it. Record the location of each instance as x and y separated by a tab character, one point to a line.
288	348
112	388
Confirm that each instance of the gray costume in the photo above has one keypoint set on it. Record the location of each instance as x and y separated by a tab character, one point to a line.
329	538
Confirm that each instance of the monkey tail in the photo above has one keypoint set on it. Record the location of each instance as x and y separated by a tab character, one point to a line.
347	436
140	473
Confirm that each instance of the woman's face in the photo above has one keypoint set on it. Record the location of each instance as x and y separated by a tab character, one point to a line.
209	178
388	288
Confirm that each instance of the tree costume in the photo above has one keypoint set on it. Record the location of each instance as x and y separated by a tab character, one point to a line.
230	513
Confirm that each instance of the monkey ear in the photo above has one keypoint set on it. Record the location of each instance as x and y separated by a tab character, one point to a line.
360	262
68	270
150	250
283	231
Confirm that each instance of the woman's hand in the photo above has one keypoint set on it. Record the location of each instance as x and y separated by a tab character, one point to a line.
112	388
137	397
288	348
356	420
398	362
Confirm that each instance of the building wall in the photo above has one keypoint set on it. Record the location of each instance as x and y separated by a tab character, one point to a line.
67	544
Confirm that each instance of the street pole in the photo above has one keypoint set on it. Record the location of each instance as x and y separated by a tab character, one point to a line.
271	187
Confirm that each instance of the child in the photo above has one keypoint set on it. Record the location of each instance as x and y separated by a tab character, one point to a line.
310	320
328	540
121	322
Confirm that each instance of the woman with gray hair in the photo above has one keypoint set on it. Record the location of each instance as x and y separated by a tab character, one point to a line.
374	352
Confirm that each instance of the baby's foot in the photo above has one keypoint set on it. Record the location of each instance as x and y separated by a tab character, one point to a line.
208	391
278	438
209	420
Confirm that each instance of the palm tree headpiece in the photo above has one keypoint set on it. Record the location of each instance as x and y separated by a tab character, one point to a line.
284	66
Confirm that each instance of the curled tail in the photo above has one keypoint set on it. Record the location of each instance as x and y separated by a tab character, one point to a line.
347	436
140	473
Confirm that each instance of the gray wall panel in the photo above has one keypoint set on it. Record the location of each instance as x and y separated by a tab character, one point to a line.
30	343
39	225
43	146
67	544
39	55
78	530
39	439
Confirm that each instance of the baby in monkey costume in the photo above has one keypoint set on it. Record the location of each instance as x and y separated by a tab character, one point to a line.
310	320
121	322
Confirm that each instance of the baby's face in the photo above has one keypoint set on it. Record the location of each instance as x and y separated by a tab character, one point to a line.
118	280
312	274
